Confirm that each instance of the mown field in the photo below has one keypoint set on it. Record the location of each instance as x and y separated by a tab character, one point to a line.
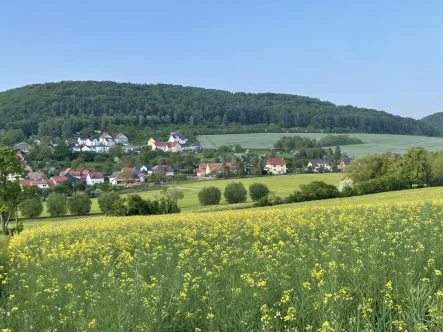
281	185
374	143
300	267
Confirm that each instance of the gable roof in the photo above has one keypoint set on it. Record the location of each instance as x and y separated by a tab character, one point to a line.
128	169
32	182
96	175
36	176
59	178
276	161
139	167
164	168
346	161
159	143
318	162
21	146
105	135
120	135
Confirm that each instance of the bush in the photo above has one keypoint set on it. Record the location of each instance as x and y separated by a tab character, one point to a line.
57	205
106	201
383	184
235	192
209	196
258	190
79	205
31	207
317	190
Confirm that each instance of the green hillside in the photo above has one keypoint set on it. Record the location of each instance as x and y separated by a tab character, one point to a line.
64	108
435	120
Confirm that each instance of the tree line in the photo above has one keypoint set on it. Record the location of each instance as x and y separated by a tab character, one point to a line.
56	109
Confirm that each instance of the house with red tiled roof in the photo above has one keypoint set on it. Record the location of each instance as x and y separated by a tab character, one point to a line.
94	178
42	184
205	169
55	180
159	146
276	166
173	147
128	169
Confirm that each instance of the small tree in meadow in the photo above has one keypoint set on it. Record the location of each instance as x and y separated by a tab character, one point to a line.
79	205
57	205
209	196
106	201
258	190
31	207
235	192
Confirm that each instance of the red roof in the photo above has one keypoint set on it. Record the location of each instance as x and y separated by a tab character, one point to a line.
32	182
59	179
96	175
214	165
104	135
120	134
276	161
128	169
160	143
28	168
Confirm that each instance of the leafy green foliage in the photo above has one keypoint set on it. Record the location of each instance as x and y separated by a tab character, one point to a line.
79	205
258	190
106	201
63	108
235	192
209	196
317	190
57	205
31	207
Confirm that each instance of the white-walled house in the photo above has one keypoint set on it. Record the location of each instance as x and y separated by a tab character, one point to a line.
316	164
94	178
121	139
92	142
178	138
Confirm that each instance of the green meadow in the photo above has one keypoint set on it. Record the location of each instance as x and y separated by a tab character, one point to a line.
373	143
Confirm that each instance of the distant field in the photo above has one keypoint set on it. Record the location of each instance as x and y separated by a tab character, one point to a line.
374	143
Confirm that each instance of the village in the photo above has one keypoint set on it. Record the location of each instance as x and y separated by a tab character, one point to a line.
136	174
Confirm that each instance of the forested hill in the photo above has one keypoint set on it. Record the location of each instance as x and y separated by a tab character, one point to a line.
66	107
435	120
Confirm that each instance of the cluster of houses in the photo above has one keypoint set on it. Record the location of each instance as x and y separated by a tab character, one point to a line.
176	143
316	165
100	145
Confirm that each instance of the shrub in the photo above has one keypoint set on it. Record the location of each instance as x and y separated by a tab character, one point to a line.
31	207
258	190
235	192
209	196
57	205
79	205
318	190
106	201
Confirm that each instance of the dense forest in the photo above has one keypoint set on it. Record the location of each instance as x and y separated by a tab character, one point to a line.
56	109
435	120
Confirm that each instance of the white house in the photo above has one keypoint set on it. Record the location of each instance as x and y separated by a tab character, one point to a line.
107	141
129	148
82	140
121	139
178	138
105	135
316	164
92	142
94	178
42	184
173	147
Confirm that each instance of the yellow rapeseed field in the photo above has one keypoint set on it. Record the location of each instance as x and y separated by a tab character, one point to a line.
272	269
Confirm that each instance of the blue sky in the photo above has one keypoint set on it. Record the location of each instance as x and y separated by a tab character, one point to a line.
386	55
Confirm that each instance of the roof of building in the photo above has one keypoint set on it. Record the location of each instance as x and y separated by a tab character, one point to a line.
105	135
21	146
159	143
59	179
36	176
318	162
214	165
120	135
347	161
96	175
139	167
165	168
128	169
276	161
32	182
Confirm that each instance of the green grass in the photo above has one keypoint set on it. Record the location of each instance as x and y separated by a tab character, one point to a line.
374	143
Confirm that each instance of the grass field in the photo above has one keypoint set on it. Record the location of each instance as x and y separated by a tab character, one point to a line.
281	185
374	143
334	265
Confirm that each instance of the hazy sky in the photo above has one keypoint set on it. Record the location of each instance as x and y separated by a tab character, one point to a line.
386	55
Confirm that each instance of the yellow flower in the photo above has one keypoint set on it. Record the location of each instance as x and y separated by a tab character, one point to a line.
437	272
92	324
210	316
284	298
